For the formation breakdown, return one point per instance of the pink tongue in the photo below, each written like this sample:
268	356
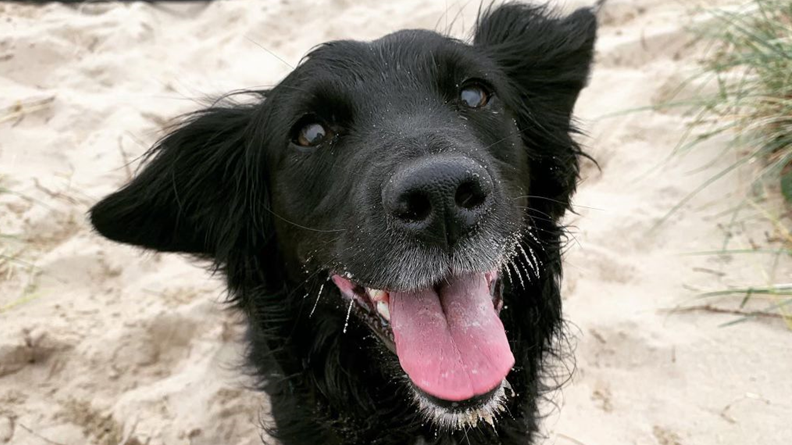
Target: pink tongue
451	343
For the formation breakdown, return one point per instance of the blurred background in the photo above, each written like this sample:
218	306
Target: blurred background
678	279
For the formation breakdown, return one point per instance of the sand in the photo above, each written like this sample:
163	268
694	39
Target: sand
105	344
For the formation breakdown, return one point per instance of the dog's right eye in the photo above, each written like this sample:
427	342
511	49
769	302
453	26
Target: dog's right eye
311	134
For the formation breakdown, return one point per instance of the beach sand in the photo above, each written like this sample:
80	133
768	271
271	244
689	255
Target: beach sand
105	344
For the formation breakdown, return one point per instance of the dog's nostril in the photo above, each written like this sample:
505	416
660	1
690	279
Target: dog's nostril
438	199
469	195
414	206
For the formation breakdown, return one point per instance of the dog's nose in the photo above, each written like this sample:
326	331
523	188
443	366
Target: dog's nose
439	199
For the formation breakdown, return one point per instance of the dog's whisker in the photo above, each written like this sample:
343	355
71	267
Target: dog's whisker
522	268
534	238
459	13
517	272
521	252
537	260
545	216
349	312
465	431
270	52
533	265
301	226
535	218
508	273
545	198
540	229
318	296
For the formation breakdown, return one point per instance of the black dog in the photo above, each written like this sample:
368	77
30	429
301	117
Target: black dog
387	219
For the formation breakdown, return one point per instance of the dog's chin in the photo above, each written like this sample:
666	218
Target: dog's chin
452	416
441	404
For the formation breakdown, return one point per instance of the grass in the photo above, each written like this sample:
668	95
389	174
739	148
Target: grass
19	110
12	263
744	92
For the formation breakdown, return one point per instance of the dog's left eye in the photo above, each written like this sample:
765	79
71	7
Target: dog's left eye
474	96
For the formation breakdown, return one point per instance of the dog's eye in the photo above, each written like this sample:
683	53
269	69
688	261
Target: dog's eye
312	134
474	96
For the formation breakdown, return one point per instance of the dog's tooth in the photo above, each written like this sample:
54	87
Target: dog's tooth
377	295
382	308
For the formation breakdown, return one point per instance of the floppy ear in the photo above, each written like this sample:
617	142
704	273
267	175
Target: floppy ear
547	60
194	190
547	56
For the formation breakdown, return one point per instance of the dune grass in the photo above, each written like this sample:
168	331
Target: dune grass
744	92
12	263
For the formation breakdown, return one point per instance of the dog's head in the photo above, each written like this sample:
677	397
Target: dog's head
397	181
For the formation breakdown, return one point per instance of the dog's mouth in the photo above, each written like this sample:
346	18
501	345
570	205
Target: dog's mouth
449	340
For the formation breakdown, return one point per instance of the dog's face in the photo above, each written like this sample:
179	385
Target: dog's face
404	150
408	174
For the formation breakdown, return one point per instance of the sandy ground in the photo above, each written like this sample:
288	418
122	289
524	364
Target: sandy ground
104	344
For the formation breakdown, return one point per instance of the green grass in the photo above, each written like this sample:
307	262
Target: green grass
751	62
744	92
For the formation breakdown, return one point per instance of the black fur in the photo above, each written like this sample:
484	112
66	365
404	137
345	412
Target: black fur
229	186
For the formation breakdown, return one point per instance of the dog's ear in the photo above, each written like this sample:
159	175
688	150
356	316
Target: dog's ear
194	189
546	59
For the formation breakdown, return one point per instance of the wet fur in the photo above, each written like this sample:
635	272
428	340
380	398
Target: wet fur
206	190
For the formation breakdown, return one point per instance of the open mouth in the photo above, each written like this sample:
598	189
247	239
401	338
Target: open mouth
448	338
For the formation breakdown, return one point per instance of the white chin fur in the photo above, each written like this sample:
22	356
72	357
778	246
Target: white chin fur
451	420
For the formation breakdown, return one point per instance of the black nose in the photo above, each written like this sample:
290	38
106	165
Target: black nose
439	199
